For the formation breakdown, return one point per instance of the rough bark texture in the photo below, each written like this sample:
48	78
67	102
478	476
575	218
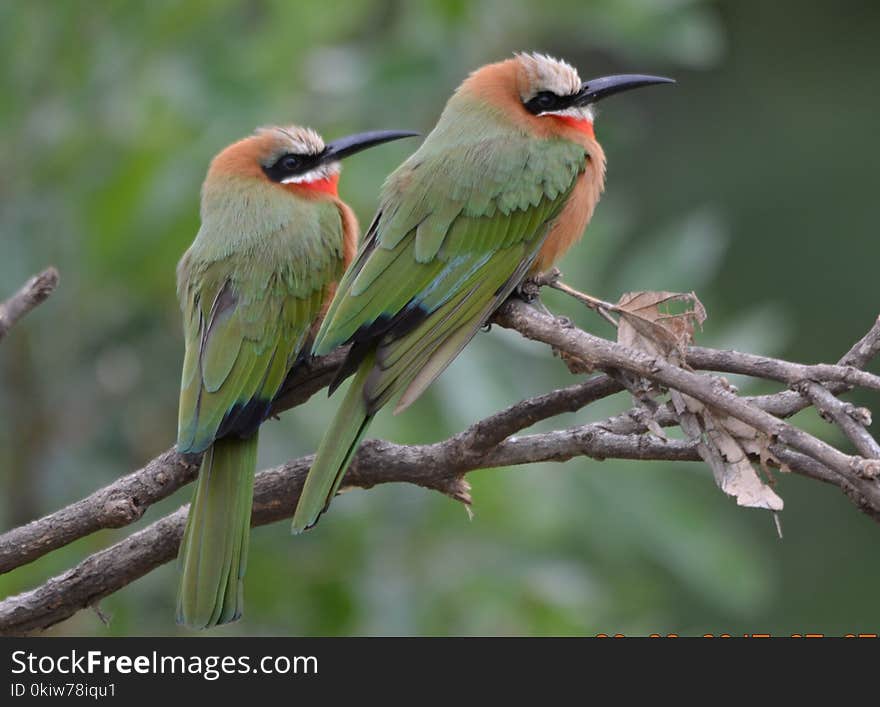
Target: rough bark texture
491	442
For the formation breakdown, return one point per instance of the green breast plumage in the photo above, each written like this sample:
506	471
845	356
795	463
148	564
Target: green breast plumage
250	287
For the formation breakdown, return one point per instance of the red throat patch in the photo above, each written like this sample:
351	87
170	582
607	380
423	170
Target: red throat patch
328	185
583	125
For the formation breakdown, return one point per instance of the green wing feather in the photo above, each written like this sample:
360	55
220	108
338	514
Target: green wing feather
247	313
459	225
250	294
456	232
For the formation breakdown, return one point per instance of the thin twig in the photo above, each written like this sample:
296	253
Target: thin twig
851	420
551	279
32	293
496	428
777	369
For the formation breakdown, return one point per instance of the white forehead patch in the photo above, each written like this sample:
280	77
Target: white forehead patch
295	139
548	74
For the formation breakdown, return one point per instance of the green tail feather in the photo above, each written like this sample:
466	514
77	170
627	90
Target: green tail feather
213	553
335	452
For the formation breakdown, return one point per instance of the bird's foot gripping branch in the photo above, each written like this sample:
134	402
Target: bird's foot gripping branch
674	383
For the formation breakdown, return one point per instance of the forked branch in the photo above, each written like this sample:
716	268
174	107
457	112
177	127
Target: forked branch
492	442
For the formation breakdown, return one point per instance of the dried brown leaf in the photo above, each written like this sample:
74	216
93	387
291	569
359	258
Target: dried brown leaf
725	444
648	323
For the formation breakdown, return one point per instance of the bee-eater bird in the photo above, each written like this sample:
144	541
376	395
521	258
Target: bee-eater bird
499	190
274	239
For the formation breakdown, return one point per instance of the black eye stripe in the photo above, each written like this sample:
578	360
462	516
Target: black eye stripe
546	101
290	165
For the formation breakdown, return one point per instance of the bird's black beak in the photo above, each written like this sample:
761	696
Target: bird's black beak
597	89
345	146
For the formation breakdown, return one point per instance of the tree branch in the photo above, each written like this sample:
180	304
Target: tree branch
114	506
125	500
32	293
438	466
491	442
851	420
788	403
778	370
601	353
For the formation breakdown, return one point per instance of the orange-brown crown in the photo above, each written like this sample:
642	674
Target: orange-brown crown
251	156
509	85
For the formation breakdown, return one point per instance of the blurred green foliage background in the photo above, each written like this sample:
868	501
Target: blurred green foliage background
752	182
